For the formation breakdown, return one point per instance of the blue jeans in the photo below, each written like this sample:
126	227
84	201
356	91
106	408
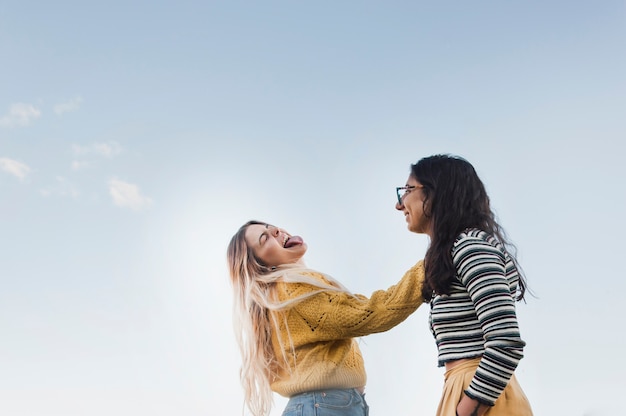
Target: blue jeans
331	402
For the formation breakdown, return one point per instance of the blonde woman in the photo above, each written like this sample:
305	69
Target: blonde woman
296	326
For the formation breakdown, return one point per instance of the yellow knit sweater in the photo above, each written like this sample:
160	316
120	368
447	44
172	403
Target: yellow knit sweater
322	328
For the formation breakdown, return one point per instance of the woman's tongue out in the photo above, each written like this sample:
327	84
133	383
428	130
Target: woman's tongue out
294	240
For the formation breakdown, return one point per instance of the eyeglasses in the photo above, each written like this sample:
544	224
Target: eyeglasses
403	190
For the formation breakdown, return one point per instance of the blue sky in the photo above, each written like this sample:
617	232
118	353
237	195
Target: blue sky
136	137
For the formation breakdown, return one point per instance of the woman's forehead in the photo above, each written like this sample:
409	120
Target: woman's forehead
255	229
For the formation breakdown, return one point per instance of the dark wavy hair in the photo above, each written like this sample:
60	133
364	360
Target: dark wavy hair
455	199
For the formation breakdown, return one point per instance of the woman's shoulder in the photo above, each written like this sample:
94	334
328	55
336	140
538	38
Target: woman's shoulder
296	274
475	236
473	233
304	276
303	282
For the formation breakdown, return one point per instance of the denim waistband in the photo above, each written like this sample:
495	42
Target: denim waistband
359	390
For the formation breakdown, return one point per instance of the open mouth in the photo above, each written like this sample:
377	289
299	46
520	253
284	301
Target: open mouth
291	241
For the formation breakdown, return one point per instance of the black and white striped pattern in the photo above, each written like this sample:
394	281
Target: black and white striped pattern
478	317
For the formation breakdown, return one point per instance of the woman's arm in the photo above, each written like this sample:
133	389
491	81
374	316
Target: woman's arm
482	270
330	315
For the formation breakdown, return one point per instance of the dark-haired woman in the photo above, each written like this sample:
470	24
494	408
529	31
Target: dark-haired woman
472	282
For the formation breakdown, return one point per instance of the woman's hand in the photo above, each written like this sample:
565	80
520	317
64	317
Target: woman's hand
470	407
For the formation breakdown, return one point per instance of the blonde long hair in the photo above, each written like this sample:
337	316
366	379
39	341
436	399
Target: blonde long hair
253	294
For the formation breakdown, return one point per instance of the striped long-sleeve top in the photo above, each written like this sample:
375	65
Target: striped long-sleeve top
478	317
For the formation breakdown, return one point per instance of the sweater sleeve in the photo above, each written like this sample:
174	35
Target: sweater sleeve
481	268
329	315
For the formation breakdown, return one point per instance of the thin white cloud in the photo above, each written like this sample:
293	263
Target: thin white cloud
19	115
80	164
15	168
68	106
127	195
81	150
62	187
108	149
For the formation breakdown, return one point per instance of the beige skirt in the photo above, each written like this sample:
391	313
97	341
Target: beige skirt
512	401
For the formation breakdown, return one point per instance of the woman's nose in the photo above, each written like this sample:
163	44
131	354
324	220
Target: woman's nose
275	231
399	206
